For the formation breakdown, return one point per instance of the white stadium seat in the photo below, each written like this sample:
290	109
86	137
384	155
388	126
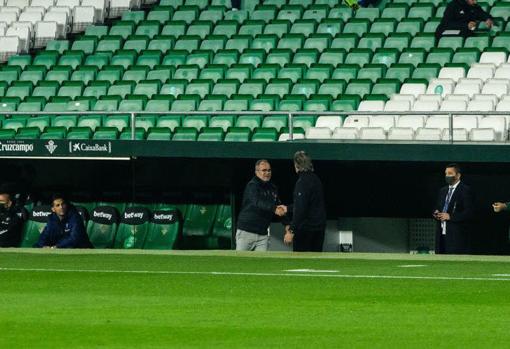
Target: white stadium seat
486	97
44	3
464	98
400	97
411	121
371	106
84	16
497	123
467	88
483	73
438	121
8	17
426	106
397	105
24	35
496	58
459	134
453	106
357	121
296	136
440	86
466	122
9	46
44	32
502	72
18	3
318	133
483	135
413	88
372	133
401	134
382	121
495	89
454	73
483	105
31	17
61	19
99	5
428	134
69	3
430	98
345	133
329	121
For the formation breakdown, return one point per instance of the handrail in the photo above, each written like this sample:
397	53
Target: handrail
290	115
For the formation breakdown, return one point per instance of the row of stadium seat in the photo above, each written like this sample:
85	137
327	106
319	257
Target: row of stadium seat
157	227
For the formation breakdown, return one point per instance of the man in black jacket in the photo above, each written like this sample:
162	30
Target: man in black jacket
10	223
260	204
461	17
306	231
453	212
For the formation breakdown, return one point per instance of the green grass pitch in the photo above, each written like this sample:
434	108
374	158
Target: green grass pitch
136	299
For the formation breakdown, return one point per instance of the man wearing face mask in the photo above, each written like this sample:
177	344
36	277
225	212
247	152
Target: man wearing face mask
10	223
453	212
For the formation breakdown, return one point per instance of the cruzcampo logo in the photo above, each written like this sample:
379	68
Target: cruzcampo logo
51	146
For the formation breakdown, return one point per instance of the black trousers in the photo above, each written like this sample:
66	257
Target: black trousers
308	241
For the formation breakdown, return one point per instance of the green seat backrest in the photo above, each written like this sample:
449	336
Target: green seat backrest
133	228
199	220
223	222
102	226
164	230
35	224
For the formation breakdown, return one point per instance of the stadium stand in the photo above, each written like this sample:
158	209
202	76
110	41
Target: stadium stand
194	56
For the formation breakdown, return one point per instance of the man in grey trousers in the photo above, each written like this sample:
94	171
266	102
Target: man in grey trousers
260	204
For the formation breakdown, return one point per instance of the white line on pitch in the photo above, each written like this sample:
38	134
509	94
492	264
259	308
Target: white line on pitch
311	271
171	272
412	266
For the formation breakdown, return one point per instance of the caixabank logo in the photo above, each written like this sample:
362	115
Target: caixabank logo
16	146
96	147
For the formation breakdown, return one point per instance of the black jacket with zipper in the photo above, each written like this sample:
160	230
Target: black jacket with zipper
457	16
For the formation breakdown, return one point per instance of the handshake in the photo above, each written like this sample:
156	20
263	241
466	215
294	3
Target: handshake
281	210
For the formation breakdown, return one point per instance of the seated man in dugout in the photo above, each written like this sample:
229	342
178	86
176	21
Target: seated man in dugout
65	227
461	18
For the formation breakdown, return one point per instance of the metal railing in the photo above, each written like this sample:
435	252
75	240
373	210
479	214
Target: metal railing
290	116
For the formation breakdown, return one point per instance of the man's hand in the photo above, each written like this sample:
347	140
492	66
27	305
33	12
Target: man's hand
472	25
499	206
489	23
443	216
436	212
281	210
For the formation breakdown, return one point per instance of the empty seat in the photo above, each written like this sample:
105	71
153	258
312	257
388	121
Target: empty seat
345	133
483	135
497	123
428	134
411	121
372	133
454	73
441	86
331	122
357	121
318	133
401	133
496	58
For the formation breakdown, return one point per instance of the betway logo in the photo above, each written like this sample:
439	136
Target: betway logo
84	147
16	147
133	215
40	213
102	215
164	216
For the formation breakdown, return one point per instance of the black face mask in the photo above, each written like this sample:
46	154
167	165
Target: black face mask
449	180
3	209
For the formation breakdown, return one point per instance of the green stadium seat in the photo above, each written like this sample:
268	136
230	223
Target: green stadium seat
174	29
357	26
170	122
330	26
265	135
121	88
212	103
318	103
159	134
421	10
109	43
359	87
320	72
46	58
71	58
200	29
278	87
277	122
84	73
440	56
346	103
237	103
239	16
226	87
121	29
396	11
54	133
279	56
199	220
290	13
175	58
161	14
66	121
124	58
333	56
431	25
265	42
97	31
79	133
425	41
201	4
399	41
386	56
186	13
58	45
249	121
383	26
40	122
252	28
133	228
187	72
14	124
264	103
127	135
32	104
174	87
306	56
387	87
501	9
102	226
319	42
372	72
214	43
197	122
133	103
135	16
412	26
159	105
164	229
20	89
332	87
136	43
106	133
372	41
238	134
294	72
426	71
162	43
412	56
71	89
226	57
20	60
119	122
304	27
108	103
200	58
28	133
185	103
33	227
502	40
265	72
213	14
453	42
358	56
264	13
370	13
340	12
238	43
211	134
201	87
346	72
213	72
135	73
222	121
9	76
185	134
98	60
223	224
87	44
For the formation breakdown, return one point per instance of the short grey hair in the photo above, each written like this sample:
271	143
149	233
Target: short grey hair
259	162
303	161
